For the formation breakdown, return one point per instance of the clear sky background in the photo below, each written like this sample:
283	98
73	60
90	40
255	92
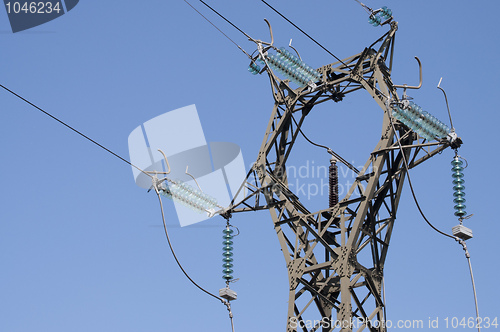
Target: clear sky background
81	246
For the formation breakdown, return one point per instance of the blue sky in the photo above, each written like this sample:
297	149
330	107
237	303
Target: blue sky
81	246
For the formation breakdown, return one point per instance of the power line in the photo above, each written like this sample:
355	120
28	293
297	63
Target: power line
232	41
173	252
225	19
336	155
314	40
226	303
72	128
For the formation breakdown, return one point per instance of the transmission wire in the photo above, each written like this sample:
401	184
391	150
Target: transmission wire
342	160
173	252
365	7
73	129
226	303
225	19
467	255
232	41
314	40
156	190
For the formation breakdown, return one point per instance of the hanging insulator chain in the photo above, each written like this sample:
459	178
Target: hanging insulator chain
227	254
333	198
458	188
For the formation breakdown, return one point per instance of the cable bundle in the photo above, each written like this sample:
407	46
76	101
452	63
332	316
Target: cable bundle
422	122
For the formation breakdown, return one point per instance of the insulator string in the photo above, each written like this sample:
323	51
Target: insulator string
420	121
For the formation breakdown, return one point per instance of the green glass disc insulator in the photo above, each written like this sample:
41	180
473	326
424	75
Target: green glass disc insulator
227	248
459	200
227	243
227	236
227	231
227	259
227	265
227	254
457	162
227	277
460	213
459	193
459	187
227	271
460	206
459	181
457	168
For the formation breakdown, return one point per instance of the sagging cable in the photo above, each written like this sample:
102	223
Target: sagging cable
156	185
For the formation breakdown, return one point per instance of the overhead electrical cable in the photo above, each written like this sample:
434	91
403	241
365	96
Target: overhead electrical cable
226	303
336	155
73	129
314	40
173	252
225	19
232	41
365	7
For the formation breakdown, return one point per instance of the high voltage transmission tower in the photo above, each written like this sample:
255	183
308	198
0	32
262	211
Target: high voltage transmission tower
335	257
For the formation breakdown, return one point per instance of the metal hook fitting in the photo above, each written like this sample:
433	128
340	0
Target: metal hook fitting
270	31
405	86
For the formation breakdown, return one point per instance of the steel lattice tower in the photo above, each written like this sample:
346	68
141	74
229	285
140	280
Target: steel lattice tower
335	257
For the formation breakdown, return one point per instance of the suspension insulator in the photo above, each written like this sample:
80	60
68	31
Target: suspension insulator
421	122
458	187
333	198
386	13
382	14
188	196
374	20
292	67
227	254
297	63
254	68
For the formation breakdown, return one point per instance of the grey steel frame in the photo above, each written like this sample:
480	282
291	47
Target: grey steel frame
335	257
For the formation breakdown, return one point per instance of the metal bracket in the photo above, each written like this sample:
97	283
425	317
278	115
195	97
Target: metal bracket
293	48
406	86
